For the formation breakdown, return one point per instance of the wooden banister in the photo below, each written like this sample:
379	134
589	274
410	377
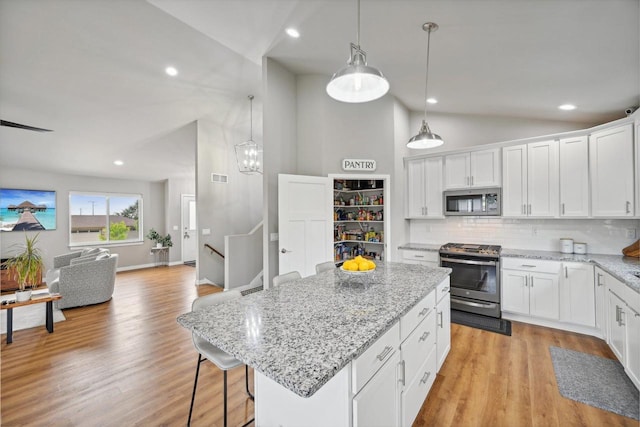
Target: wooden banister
212	249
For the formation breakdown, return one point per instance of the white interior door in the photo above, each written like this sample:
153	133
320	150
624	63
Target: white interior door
304	223
189	228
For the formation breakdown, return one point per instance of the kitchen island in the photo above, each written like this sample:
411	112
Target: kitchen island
304	339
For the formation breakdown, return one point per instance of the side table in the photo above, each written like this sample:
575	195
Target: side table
46	298
161	255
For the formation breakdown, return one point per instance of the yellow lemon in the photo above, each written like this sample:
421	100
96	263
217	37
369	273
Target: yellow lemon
350	265
363	265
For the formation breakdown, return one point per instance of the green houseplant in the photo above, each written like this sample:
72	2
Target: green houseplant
159	238
28	265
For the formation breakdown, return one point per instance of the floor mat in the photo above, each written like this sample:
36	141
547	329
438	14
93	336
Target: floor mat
595	381
491	324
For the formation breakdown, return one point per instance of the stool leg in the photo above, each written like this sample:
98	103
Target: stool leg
246	381
195	384
225	398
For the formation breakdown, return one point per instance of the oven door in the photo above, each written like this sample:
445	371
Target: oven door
473	277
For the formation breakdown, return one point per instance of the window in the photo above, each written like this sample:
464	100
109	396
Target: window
104	219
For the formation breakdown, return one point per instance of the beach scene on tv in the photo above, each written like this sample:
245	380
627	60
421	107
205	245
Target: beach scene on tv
27	210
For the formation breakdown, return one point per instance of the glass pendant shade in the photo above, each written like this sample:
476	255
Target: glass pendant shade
249	153
425	138
249	157
357	82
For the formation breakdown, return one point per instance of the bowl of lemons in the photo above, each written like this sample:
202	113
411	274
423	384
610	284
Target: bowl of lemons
358	265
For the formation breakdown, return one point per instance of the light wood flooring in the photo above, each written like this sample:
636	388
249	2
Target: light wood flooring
128	363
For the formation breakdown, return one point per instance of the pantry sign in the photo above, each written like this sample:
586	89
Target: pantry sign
358	165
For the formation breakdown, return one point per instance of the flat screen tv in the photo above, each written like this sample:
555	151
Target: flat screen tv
27	210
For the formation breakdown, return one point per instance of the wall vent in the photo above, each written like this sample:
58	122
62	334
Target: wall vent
219	178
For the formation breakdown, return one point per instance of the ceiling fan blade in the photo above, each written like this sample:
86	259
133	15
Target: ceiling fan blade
21	126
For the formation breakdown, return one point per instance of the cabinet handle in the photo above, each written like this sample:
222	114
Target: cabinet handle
563	209
617	314
532	282
402	379
445	290
527	265
529	210
524	209
425	378
526	281
424	336
418	256
424	311
622	316
599	281
426	210
628	207
466	179
472	181
441	324
566	272
384	353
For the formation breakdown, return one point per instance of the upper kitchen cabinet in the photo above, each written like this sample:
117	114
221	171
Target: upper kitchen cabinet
611	166
474	169
530	180
424	188
637	138
574	177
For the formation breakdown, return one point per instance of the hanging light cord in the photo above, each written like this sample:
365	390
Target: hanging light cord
426	82
251	117
358	35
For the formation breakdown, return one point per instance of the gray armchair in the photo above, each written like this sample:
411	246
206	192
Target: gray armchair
86	281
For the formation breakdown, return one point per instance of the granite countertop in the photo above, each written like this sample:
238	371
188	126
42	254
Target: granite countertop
302	333
618	266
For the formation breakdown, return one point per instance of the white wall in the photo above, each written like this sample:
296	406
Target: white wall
233	208
55	242
280	150
601	236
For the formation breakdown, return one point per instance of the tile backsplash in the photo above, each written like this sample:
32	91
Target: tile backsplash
602	236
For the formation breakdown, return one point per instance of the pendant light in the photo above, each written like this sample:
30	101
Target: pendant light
357	82
249	153
425	138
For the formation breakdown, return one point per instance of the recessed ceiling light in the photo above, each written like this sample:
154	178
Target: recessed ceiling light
171	71
567	107
432	101
292	32
118	162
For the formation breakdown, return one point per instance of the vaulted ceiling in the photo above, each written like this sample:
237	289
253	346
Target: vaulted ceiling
93	70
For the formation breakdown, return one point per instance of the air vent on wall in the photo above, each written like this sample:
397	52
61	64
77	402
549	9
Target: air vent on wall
219	178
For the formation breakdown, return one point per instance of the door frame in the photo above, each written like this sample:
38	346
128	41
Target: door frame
182	224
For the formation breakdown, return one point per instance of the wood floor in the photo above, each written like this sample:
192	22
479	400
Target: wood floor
128	363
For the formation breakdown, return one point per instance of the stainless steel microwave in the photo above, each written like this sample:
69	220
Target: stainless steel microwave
473	202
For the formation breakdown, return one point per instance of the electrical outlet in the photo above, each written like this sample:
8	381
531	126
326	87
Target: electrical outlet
631	233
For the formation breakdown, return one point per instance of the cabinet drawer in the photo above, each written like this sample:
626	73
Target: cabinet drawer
421	256
368	363
443	289
421	310
533	265
414	395
418	346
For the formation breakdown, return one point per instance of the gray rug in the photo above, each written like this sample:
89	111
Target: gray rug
595	381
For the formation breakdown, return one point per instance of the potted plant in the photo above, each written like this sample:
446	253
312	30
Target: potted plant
155	236
28	265
166	241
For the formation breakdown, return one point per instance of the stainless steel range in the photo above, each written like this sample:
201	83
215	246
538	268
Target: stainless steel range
475	279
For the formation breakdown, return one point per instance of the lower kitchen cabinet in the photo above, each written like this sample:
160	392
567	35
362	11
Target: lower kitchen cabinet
534	294
601	302
443	324
371	405
429	258
577	294
633	344
617	328
415	393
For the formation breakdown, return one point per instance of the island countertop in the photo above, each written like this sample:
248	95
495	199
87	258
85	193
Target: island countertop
303	332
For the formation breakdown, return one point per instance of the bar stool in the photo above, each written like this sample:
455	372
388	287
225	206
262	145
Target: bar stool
208	351
287	277
325	266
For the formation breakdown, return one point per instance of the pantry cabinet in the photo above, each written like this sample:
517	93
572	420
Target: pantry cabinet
577	294
359	217
574	177
472	169
611	170
531	180
424	188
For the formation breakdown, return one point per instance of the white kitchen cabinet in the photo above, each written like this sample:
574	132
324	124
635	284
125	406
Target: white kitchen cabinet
530	287
633	343
371	405
424	188
574	177
473	169
601	302
531	180
611	169
577	293
616	322
637	171
429	258
443	328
